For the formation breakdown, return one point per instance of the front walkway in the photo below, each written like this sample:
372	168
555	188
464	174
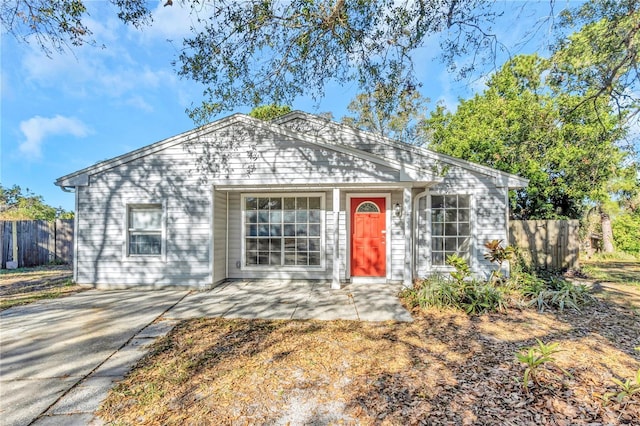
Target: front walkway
276	299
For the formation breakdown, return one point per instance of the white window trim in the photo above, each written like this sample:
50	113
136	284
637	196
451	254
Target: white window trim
288	268
389	225
472	233
138	203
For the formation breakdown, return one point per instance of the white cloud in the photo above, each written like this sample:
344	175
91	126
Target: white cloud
140	103
37	129
176	22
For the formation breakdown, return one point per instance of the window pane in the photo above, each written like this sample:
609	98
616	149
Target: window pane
289	230
438	229
263	258
301	245
463	215
145	244
301	258
289	216
450	229
275	230
250	203
263	216
314	203
275	244
275	216
314	244
289	244
368	207
289	203
314	230
301	230
437	201
275	258
290	258
463	229
314	216
252	258
263	204
314	258
451	215
263	244
263	230
301	216
437	258
251	244
451	201
301	203
251	216
437	244
463	201
145	218
463	244
437	215
451	244
252	230
275	204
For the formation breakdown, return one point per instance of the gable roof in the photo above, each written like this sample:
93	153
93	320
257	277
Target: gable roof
322	124
409	171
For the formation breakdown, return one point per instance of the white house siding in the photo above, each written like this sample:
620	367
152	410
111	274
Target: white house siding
203	232
488	218
219	236
102	209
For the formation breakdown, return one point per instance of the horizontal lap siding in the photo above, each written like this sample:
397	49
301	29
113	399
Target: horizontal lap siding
488	217
102	258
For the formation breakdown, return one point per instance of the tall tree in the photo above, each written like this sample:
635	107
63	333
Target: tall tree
601	57
521	124
394	112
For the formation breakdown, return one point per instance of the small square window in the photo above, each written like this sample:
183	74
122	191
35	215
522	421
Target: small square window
144	230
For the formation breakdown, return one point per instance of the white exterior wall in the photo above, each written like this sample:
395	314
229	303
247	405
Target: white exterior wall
202	220
488	219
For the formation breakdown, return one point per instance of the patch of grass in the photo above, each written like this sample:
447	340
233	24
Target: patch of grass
65	287
617	271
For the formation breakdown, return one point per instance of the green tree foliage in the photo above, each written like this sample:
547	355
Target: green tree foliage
521	124
16	204
390	111
626	231
269	112
602	58
56	25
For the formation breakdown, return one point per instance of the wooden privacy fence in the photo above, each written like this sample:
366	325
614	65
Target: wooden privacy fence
36	242
547	244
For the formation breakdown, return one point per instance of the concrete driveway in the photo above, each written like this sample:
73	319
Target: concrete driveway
59	358
72	347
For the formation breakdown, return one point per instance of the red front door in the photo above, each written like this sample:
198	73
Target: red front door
368	237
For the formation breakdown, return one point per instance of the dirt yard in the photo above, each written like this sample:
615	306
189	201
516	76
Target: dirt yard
25	285
444	368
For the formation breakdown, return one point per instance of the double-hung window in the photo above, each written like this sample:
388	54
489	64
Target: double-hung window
144	230
283	230
450	227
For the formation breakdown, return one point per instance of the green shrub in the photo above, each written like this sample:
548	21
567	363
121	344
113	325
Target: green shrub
545	291
473	297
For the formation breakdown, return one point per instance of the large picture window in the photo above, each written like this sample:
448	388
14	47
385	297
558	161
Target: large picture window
144	230
283	230
450	227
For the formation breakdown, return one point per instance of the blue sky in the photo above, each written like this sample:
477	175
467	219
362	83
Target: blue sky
64	113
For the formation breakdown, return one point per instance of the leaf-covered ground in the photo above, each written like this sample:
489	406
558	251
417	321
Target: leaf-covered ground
444	368
26	285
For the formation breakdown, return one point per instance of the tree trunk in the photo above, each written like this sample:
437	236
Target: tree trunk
607	232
